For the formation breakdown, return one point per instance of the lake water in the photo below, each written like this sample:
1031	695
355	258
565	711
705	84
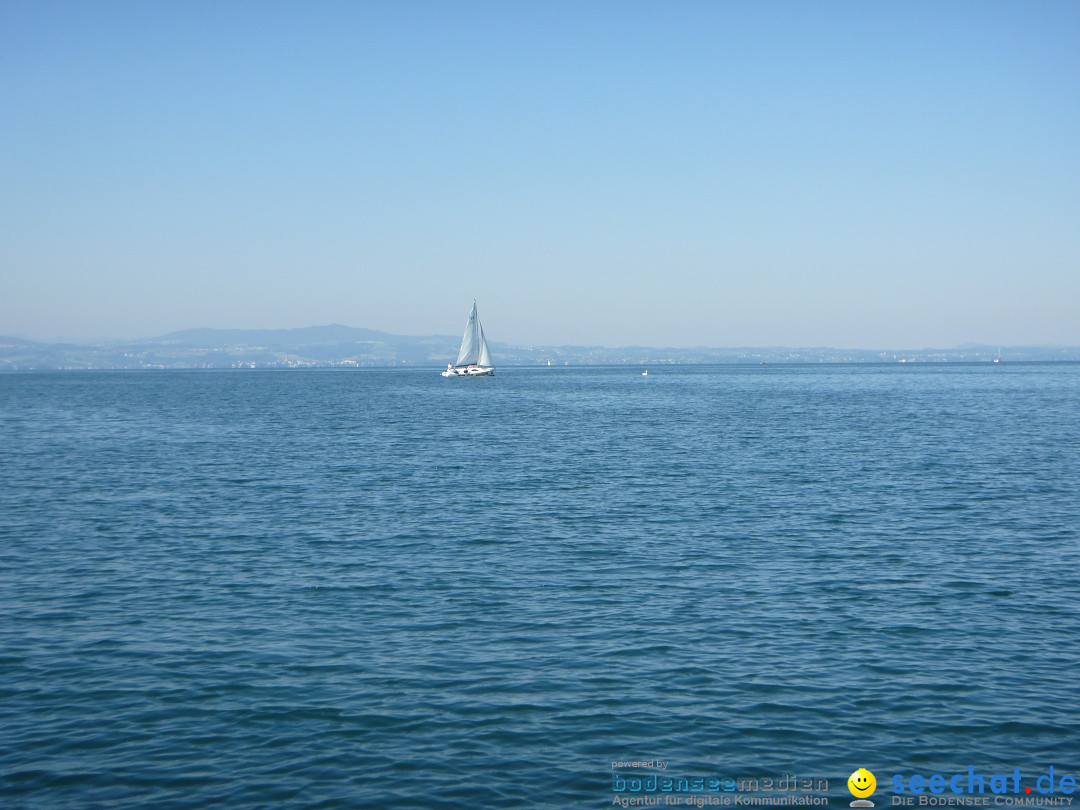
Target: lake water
253	589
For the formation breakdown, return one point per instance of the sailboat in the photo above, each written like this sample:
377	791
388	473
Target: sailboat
473	359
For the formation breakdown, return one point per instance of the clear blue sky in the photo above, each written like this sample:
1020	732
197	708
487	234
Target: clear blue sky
864	174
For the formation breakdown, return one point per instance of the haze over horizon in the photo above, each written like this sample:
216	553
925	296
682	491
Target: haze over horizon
340	332
689	174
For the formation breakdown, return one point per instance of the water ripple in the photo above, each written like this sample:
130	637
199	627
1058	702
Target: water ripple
369	589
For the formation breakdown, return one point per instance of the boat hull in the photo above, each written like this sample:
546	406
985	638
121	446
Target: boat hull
474	371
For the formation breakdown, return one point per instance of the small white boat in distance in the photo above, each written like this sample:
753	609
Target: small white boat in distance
473	359
645	373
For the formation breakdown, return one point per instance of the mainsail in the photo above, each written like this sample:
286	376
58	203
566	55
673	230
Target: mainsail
471	341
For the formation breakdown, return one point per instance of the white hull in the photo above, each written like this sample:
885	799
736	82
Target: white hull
469	372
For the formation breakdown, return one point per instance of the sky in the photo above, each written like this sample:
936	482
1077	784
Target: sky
723	173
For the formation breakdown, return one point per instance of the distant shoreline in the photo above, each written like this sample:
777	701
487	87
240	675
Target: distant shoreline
512	367
347	347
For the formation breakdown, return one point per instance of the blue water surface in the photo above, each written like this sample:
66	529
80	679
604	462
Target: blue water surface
362	588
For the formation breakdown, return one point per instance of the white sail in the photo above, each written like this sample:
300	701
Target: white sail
470	344
483	359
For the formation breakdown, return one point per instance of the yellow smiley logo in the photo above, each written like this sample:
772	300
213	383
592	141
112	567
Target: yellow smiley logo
861	783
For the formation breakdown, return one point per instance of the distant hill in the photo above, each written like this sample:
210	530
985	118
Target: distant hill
306	336
315	346
346	346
